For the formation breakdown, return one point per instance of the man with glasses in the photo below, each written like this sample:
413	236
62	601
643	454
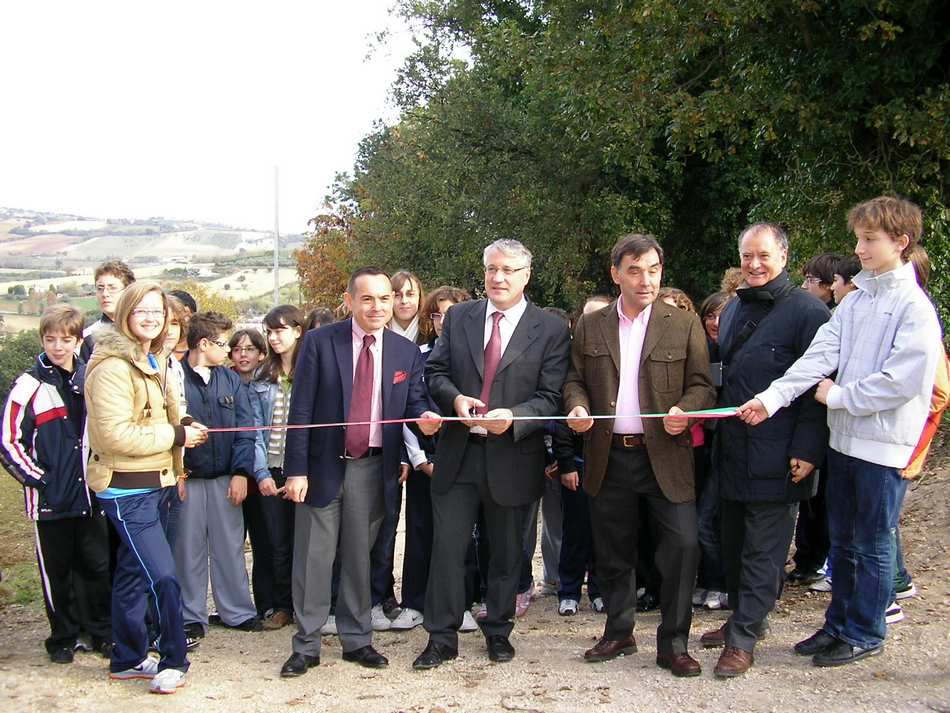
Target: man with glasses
497	358
211	520
110	278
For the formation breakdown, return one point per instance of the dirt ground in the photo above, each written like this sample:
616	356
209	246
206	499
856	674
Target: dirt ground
234	671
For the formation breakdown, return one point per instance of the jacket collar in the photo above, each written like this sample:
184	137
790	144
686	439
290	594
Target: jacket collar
770	292
660	314
46	372
890	280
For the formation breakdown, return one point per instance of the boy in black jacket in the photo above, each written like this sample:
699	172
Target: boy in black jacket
211	521
43	446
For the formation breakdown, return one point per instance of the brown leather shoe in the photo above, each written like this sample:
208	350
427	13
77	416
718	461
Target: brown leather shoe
682	665
714	639
605	649
733	662
278	620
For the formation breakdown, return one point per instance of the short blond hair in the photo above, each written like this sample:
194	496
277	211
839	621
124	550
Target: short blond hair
895	216
62	318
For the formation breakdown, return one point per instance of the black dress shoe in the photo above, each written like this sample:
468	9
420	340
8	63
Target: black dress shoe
366	656
434	655
298	664
252	624
815	644
840	653
61	655
500	649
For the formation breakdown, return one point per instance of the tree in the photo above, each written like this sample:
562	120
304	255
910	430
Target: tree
207	301
326	259
17	354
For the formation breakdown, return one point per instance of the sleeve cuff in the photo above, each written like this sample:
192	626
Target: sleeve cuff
179	436
417	458
771	400
835	397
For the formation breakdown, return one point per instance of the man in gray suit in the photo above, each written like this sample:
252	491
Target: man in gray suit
496	358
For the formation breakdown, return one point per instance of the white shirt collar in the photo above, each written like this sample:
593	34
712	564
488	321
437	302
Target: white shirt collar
512	314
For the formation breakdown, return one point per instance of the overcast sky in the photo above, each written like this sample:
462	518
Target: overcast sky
182	109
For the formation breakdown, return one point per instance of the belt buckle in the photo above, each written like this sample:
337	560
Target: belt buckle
629	440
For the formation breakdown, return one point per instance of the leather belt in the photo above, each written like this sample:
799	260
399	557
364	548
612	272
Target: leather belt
628	441
374	451
477	438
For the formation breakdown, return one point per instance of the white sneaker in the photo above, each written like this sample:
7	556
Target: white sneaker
147	669
715	600
545	589
598	605
329	629
699	597
381	622
894	613
567	607
911	591
407	619
822	585
167	681
468	623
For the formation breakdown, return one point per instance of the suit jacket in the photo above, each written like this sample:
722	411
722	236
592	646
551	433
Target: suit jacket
323	384
528	381
674	371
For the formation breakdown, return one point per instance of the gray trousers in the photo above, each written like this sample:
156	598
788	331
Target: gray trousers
551	529
353	519
210	526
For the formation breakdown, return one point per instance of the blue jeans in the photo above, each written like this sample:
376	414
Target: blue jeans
863	506
901	578
145	568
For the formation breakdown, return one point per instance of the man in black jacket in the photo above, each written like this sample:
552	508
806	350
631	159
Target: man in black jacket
211	520
765	471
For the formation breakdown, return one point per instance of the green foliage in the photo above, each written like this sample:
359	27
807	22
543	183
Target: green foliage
17	354
572	122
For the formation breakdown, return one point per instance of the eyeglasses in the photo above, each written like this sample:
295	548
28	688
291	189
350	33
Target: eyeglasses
436	316
143	313
492	270
244	350
812	280
110	289
219	343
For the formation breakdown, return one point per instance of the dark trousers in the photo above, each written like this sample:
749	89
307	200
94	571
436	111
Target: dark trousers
707	513
279	518
454	514
73	557
383	555
262	568
577	546
145	565
811	533
615	515
415	564
755	542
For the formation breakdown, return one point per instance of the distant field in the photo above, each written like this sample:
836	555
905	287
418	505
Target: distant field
13	323
255	284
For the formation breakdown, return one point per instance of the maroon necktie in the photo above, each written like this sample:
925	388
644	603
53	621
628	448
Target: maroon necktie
361	401
492	357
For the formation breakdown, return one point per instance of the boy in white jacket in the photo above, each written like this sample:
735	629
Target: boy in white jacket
883	341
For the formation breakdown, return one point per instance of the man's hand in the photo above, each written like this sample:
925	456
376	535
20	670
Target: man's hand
426	468
267	487
182	489
237	490
464	406
497	421
404	469
550	471
799	469
578	420
431	422
821	393
753	412
673	423
296	489
571	480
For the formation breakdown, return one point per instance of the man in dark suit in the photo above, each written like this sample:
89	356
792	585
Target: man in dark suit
496	358
354	371
640	356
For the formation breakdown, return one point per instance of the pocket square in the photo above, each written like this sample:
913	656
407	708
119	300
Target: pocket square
399	377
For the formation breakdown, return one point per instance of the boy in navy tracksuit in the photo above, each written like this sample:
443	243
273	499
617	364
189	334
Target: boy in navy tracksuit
43	446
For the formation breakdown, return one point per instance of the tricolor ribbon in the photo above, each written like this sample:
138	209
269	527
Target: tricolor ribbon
709	413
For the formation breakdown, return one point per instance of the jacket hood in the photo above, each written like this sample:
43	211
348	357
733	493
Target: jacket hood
111	343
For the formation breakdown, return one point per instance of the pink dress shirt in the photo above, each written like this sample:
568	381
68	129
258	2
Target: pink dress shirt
632	333
375	430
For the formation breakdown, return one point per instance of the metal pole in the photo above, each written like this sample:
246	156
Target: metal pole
276	236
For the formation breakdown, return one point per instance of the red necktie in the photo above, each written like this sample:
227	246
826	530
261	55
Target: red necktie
492	357
361	401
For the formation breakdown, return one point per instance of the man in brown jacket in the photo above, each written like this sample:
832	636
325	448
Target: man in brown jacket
633	357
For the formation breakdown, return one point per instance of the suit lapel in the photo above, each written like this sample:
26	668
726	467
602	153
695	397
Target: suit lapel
521	338
659	322
610	329
343	349
475	333
388	371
